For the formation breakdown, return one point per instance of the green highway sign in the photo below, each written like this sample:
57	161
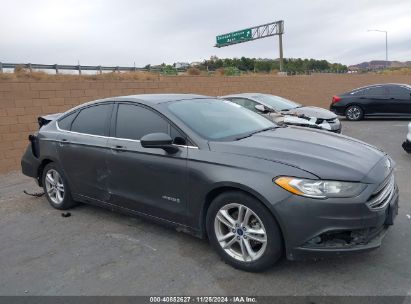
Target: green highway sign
275	28
234	37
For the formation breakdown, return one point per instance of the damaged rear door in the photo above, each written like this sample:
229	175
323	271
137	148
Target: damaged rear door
83	150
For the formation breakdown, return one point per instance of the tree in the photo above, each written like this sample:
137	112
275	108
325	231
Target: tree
291	65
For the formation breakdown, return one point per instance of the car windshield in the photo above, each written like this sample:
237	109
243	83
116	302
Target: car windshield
276	102
216	119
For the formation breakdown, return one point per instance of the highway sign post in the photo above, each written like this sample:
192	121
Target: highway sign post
257	32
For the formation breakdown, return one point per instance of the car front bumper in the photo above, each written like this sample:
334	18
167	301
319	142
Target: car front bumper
323	228
334	126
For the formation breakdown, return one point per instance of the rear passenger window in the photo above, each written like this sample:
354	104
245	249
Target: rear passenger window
133	122
65	123
376	92
93	120
360	92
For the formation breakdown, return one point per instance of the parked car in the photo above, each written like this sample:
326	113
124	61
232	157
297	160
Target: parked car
407	143
284	111
213	168
391	100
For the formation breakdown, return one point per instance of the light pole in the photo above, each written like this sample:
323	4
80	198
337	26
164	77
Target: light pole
386	44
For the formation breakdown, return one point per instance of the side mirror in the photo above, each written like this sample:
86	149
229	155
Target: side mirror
261	108
158	140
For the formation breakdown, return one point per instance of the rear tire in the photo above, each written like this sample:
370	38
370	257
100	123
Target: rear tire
56	188
354	113
243	232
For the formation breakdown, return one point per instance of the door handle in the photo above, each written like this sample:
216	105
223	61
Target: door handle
63	141
118	148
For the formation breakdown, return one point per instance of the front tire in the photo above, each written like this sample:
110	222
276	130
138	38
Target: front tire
243	232
354	113
56	188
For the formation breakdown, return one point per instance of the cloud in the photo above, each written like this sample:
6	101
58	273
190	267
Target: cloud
122	32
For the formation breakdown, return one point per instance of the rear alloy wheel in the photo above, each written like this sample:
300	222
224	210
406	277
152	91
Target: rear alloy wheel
243	232
354	113
56	188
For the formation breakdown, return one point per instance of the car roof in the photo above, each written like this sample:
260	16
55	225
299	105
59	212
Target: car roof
246	95
382	84
158	98
147	99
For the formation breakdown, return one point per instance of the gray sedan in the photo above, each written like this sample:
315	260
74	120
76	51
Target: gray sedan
284	111
215	169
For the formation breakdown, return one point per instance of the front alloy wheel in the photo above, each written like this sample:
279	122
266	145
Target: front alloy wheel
240	232
243	231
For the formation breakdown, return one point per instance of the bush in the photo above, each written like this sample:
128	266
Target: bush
231	71
169	70
20	69
193	71
396	71
220	71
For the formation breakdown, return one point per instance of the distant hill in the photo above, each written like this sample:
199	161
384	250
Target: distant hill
379	64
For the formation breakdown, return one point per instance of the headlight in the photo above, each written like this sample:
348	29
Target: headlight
319	188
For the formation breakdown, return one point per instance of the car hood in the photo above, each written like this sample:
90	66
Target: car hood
324	154
312	112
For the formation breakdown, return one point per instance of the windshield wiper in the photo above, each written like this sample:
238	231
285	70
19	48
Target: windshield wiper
255	132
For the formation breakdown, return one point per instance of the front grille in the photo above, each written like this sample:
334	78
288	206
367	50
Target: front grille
345	238
382	196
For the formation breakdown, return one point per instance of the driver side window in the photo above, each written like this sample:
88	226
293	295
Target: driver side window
133	122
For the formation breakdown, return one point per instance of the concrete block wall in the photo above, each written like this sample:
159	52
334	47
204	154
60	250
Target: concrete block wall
21	102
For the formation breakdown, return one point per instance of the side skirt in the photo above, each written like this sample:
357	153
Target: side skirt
112	207
388	115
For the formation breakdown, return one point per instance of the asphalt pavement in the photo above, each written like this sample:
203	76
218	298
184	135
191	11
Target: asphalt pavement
98	252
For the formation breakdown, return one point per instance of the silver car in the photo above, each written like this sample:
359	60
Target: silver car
284	111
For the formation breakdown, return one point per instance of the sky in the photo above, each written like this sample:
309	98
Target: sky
121	32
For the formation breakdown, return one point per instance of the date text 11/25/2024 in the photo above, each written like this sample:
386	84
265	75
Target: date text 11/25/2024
205	299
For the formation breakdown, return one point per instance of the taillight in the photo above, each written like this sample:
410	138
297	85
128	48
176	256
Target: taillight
336	99
34	144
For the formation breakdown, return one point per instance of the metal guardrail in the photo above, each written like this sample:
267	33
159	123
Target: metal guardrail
79	68
100	69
